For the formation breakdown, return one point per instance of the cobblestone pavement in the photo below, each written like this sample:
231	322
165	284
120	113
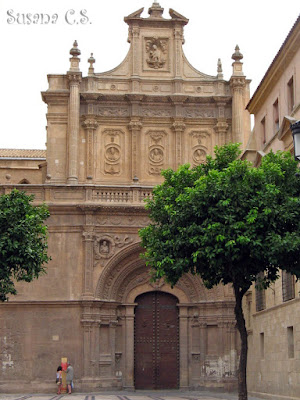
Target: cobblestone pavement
137	395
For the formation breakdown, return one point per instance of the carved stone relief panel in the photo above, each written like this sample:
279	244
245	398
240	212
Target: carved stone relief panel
156	53
156	143
110	153
112	111
207	112
200	146
157	112
116	220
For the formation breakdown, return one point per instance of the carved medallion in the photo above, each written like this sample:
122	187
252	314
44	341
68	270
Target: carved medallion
199	156
156	151
112	152
156	155
200	146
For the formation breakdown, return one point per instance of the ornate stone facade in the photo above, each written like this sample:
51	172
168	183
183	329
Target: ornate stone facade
109	135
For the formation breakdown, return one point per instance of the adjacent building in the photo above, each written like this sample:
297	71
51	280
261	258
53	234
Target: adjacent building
273	316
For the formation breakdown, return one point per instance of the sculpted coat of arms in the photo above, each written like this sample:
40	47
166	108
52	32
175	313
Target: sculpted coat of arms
156	50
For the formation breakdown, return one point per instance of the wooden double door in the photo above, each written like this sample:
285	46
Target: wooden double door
156	342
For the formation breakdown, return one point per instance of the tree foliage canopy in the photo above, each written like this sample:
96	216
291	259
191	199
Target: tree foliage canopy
229	223
226	220
23	241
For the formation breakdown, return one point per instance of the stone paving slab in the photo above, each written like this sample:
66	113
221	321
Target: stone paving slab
102	396
125	396
78	396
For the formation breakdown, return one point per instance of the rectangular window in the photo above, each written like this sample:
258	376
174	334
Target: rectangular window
263	130
276	116
262	345
260	295
290	338
290	95
288	286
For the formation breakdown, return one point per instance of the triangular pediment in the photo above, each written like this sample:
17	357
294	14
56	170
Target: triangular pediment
135	14
175	15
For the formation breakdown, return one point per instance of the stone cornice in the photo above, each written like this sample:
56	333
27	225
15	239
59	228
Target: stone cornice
56	96
58	303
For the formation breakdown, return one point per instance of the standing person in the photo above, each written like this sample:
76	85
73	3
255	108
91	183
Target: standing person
70	376
59	379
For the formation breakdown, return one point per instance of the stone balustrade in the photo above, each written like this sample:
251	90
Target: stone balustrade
96	194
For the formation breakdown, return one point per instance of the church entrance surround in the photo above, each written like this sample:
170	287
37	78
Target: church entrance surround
139	334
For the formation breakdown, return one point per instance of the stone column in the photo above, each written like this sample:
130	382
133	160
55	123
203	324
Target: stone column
95	350
233	349
203	345
90	125
238	84
184	347
178	41
112	337
221	126
135	41
86	348
74	109
179	128
135	127
221	338
88	240
129	347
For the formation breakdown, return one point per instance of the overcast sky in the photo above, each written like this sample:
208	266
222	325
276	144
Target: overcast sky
31	51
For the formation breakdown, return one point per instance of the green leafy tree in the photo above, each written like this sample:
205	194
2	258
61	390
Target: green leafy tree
226	221
23	241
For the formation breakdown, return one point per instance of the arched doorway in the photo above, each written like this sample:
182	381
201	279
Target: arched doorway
156	341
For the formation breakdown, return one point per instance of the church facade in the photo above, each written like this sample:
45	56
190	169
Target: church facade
108	137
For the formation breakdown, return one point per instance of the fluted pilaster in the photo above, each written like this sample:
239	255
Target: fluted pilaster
74	108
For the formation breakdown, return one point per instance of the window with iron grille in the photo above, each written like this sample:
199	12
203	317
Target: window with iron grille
290	95
291	345
276	116
263	130
288	286
260	294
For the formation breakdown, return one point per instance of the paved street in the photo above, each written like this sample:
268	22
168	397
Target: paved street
137	395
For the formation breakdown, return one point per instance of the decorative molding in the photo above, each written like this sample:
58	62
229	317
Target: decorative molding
135	125
74	79
238	84
90	124
178	126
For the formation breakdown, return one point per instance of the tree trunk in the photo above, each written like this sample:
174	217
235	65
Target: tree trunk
242	376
